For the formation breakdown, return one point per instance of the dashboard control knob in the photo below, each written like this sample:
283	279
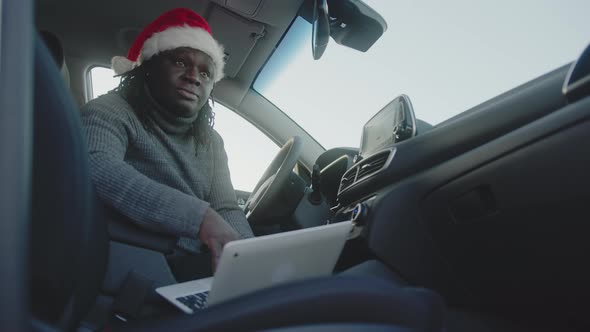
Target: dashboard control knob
359	212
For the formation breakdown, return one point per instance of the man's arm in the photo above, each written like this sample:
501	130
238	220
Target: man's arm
150	204
222	196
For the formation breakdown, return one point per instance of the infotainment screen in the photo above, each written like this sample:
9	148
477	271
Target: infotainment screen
378	132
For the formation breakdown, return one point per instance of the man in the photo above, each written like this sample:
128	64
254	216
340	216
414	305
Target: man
155	157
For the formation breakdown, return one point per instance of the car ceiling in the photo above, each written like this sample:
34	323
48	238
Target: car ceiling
93	32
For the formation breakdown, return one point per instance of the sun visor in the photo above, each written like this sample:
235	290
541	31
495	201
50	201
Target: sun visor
237	35
246	7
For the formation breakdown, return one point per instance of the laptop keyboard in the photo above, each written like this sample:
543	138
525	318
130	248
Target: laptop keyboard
194	301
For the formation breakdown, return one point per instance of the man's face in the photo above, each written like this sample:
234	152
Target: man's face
181	80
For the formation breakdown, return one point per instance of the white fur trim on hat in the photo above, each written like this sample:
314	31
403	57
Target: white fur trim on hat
185	36
121	64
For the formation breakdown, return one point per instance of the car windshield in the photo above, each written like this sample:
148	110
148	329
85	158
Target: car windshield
447	56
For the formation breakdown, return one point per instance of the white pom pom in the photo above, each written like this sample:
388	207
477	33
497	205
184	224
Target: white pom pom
121	64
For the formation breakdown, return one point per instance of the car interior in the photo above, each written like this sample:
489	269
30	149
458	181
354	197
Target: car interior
474	224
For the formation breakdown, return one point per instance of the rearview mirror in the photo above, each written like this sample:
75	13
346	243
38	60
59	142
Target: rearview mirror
394	123
351	23
355	24
320	28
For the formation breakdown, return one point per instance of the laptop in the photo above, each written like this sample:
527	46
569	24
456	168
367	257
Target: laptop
252	264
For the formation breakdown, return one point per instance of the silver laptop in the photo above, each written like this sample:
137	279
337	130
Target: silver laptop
252	264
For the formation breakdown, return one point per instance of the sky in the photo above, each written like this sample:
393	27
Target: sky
447	56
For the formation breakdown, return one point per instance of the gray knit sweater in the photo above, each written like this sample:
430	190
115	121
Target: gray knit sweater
156	174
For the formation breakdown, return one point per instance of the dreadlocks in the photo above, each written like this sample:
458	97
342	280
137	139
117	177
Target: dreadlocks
131	88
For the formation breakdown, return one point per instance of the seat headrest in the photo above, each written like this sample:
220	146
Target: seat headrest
57	51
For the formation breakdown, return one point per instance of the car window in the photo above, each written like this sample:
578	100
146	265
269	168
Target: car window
447	56
100	81
249	150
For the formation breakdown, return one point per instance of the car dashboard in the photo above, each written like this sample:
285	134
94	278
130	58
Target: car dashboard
487	208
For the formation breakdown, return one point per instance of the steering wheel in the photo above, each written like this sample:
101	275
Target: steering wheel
265	194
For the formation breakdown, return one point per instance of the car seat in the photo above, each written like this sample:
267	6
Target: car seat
69	250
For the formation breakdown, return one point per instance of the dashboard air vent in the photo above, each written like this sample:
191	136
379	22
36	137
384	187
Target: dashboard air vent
365	169
372	164
348	178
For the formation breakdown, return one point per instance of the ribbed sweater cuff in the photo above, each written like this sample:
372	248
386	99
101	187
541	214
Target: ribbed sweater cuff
194	216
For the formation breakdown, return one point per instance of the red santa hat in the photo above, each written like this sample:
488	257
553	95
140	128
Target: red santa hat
180	27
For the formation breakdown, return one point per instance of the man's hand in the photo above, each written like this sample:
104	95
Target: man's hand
215	233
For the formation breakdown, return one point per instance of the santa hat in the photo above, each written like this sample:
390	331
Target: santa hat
179	27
